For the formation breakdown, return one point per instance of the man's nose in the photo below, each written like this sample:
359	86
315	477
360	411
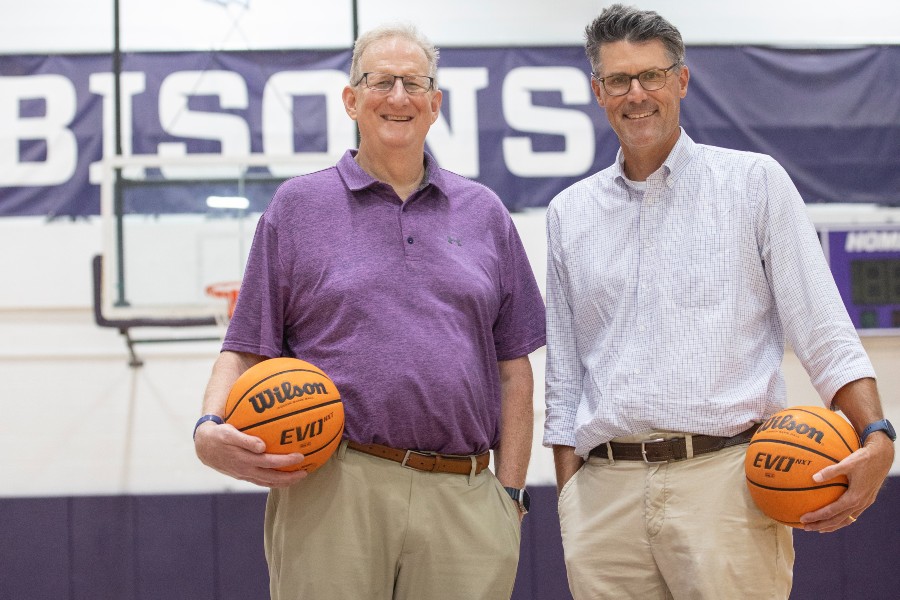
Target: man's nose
636	90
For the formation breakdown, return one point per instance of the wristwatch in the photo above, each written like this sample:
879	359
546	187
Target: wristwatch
520	497
882	425
214	418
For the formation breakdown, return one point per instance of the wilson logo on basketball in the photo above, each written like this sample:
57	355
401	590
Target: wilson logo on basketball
788	423
266	399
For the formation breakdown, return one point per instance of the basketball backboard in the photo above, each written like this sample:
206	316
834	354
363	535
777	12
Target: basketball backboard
172	227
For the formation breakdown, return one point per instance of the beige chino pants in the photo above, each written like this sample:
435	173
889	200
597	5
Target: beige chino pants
366	528
683	530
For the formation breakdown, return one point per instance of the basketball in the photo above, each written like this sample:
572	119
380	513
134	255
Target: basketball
784	454
292	406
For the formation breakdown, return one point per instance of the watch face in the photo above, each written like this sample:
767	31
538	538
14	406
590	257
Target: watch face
520	497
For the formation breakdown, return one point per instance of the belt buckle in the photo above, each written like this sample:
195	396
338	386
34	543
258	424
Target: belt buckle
411	452
644	451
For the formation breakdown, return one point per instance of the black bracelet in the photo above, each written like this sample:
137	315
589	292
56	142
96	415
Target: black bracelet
214	418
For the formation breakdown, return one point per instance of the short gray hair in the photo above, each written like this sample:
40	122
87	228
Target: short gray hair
618	23
386	32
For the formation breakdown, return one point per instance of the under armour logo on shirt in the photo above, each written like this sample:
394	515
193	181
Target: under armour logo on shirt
453	240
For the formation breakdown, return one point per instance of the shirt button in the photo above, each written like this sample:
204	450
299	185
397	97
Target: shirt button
636	372
642	328
409	240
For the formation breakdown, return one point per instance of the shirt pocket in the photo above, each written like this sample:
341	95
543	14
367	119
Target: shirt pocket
701	269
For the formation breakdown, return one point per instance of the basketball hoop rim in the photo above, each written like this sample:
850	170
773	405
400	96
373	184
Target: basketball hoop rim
227	290
223	289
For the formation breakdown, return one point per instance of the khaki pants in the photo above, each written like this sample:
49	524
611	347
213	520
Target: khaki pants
366	528
685	530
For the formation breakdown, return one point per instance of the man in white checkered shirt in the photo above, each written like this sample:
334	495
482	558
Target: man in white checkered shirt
674	277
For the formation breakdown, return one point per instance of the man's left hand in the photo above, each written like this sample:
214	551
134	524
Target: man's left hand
866	470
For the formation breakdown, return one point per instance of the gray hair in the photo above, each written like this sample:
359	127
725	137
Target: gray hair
618	23
386	32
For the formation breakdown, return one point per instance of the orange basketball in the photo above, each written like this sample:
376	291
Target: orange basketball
292	406
784	454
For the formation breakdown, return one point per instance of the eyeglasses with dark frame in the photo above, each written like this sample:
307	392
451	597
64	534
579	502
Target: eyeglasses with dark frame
650	80
384	82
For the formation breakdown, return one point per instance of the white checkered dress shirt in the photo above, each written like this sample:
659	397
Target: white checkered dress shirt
668	308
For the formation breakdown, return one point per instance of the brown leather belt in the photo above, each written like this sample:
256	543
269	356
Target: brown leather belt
426	461
659	451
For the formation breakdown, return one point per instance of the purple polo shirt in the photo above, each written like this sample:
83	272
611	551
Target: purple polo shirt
407	306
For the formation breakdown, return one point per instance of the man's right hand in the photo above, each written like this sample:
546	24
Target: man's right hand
567	464
242	456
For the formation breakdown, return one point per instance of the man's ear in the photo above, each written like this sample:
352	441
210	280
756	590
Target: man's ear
683	77
436	99
349	98
598	92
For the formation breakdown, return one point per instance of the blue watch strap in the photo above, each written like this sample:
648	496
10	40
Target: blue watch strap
214	418
882	425
520	497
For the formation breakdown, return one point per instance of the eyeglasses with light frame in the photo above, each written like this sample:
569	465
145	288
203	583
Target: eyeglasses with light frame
385	82
651	80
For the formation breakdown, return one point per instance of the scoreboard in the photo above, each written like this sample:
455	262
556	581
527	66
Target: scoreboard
864	255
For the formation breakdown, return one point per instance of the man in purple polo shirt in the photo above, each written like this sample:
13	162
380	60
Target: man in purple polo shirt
410	287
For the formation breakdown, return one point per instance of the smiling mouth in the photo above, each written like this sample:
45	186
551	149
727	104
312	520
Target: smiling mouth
641	115
396	118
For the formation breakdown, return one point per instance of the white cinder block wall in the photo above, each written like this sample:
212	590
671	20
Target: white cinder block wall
77	420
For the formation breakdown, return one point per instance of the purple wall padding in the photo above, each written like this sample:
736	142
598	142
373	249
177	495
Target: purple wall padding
860	561
102	547
209	547
241	563
34	548
542	571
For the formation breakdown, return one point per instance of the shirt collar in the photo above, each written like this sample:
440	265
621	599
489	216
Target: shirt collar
672	167
357	179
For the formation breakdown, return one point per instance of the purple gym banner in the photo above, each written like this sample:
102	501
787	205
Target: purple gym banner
520	120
